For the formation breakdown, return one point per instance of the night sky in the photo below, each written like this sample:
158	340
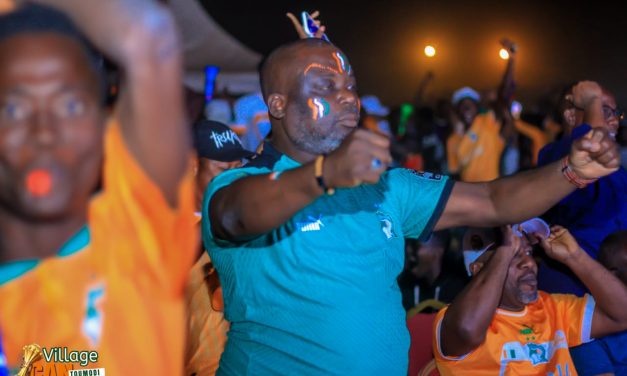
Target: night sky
559	41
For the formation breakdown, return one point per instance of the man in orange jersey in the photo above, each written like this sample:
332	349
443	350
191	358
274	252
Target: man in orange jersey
81	272
501	324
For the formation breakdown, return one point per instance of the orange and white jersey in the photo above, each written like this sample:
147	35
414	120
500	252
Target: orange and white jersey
117	287
534	341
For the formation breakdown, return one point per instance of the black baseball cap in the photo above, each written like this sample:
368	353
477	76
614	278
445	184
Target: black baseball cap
216	141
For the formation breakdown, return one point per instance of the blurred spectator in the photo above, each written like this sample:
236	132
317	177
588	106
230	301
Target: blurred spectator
433	270
537	137
194	102
219	109
432	149
122	255
590	213
423	263
251	120
475	146
404	144
607	355
376	115
441	118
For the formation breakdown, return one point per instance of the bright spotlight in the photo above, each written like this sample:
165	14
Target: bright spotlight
430	51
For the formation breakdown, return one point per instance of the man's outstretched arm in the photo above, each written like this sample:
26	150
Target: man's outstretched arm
141	37
257	204
530	193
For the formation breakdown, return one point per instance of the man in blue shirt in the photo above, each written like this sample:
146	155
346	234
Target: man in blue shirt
607	355
591	213
308	237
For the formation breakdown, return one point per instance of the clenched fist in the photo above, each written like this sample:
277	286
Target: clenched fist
361	158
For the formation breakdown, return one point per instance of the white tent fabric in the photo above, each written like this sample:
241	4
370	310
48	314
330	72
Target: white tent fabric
206	43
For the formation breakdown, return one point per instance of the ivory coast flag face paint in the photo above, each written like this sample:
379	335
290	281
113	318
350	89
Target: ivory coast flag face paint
342	62
319	107
39	182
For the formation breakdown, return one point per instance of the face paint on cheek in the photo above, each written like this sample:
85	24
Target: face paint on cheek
358	105
319	107
314	109
39	183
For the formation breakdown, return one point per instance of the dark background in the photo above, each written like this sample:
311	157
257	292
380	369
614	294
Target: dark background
559	41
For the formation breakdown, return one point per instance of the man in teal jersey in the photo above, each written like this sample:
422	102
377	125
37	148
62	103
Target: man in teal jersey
308	237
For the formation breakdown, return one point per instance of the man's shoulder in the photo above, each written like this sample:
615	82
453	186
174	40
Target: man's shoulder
406	173
262	161
569	303
227	177
556	297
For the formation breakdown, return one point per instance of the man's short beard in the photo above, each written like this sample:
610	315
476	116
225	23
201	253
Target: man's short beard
528	298
312	142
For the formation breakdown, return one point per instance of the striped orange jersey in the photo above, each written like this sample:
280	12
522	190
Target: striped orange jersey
532	342
117	287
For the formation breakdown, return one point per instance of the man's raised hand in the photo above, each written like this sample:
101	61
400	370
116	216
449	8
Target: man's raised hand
299	27
361	158
560	245
595	155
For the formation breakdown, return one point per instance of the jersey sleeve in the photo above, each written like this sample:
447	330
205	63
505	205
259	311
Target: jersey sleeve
134	229
211	242
420	199
576	314
440	358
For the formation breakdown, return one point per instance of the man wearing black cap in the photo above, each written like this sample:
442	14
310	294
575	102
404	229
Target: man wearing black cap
217	149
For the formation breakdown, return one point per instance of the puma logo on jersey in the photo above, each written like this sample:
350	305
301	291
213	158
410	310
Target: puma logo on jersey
312	224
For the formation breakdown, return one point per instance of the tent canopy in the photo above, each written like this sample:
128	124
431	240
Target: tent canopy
206	43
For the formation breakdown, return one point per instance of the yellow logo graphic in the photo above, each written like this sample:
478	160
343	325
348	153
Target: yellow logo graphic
60	361
31	354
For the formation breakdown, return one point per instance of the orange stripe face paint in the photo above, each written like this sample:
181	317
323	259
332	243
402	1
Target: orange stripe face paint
314	109
340	66
320	66
342	62
39	182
